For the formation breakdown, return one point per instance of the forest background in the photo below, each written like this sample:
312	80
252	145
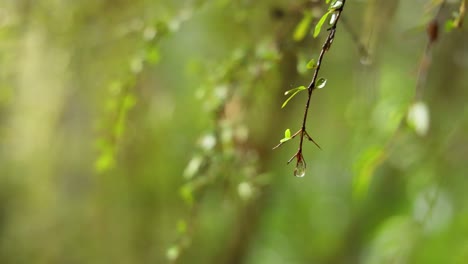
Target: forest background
142	132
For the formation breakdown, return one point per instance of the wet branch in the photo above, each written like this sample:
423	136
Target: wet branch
302	133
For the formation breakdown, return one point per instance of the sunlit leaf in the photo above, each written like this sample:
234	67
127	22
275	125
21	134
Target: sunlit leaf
336	4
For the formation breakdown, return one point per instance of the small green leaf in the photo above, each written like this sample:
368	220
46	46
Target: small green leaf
321	83
311	64
284	140
303	27
327	1
296	91
318	27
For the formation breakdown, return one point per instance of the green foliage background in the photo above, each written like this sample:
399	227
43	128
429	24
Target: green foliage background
141	132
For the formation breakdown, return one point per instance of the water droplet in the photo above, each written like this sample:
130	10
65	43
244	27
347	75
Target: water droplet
321	83
300	169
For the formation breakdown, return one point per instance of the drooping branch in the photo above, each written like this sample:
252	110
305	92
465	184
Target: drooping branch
335	11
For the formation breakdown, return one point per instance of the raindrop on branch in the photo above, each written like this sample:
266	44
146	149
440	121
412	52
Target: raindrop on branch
300	169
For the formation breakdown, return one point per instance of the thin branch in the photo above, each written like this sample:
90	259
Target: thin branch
312	86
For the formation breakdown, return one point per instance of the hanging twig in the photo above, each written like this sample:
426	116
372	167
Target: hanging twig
302	133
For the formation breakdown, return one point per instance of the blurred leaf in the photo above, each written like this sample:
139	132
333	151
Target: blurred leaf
173	253
336	4
311	64
393	241
449	25
321	83
364	168
186	193
300	169
418	118
193	167
300	88
303	27
333	18
319	25
129	101
245	190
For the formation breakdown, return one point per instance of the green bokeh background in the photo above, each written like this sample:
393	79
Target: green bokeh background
104	104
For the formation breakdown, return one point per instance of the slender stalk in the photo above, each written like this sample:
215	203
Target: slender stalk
312	85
